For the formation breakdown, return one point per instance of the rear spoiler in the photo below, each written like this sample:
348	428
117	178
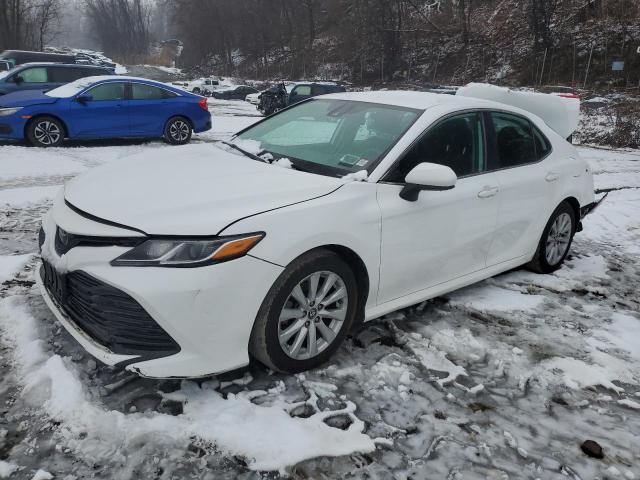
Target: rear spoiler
560	113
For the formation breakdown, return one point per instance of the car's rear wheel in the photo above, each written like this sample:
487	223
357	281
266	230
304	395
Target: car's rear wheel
178	131
45	132
306	314
555	241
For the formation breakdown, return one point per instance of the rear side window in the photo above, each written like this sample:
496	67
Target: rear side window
543	145
140	91
514	140
107	91
64	75
456	142
34	75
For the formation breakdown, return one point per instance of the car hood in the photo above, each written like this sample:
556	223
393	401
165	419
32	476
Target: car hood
25	98
190	190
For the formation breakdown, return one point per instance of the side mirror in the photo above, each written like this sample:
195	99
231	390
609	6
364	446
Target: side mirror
18	79
84	98
427	176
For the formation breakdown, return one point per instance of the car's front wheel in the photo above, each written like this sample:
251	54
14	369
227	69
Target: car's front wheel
306	314
555	241
45	132
178	131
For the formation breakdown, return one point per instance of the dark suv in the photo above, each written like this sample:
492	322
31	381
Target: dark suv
46	76
18	57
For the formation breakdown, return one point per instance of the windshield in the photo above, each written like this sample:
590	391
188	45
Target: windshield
332	137
71	89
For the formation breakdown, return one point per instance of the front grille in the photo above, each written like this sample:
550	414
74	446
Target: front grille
65	241
108	315
5	129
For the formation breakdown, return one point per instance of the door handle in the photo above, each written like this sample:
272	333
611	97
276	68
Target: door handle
552	176
487	192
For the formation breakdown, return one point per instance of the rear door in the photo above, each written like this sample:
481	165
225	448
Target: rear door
62	75
521	157
105	116
150	108
443	235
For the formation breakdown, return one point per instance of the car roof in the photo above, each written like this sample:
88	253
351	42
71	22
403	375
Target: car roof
416	100
65	65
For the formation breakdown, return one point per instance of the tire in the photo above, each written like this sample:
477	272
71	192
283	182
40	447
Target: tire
45	132
556	239
196	91
178	131
269	342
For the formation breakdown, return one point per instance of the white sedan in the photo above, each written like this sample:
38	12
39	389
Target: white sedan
332	212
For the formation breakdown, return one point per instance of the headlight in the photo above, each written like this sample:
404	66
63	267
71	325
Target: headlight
4	112
188	253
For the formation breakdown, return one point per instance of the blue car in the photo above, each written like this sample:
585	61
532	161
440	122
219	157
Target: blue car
103	107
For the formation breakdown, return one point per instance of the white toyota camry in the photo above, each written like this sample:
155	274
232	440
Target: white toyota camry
334	211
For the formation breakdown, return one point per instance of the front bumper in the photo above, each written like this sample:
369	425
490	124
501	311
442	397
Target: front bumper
208	311
12	127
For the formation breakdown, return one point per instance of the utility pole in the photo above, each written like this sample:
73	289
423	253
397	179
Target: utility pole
586	75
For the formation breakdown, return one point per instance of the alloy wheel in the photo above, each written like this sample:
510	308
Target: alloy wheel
313	314
558	238
179	130
47	133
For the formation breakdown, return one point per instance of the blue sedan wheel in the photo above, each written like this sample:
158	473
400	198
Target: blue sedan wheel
178	131
45	132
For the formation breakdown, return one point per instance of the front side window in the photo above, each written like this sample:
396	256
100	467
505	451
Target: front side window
456	142
332	137
34	75
140	91
107	91
514	140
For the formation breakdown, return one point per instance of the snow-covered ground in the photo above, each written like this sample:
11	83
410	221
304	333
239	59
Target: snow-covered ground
504	379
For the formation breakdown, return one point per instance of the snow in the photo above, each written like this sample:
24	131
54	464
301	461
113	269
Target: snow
10	265
267	436
42	475
492	298
26	195
622	333
7	468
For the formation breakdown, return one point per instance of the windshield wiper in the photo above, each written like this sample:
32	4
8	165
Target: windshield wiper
244	152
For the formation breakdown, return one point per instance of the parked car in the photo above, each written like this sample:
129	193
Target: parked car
203	86
233	93
18	57
5	65
253	98
560	90
103	107
182	267
280	96
46	76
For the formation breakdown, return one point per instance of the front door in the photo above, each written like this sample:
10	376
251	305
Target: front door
106	115
443	235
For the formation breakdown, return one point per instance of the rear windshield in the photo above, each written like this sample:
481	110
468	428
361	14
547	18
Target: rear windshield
71	89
